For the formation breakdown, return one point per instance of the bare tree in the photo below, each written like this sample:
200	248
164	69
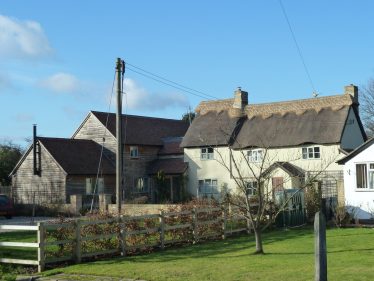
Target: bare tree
367	106
255	193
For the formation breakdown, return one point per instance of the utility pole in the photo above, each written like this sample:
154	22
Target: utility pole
119	70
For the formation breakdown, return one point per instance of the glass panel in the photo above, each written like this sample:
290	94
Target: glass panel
305	153
210	149
371	179
100	185
361	175
310	152
88	186
371	166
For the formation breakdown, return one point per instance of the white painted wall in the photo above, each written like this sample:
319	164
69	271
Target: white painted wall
358	198
212	169
352	136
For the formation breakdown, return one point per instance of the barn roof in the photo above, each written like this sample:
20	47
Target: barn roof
77	156
170	166
317	120
142	130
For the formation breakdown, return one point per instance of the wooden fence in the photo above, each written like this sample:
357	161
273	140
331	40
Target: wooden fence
83	239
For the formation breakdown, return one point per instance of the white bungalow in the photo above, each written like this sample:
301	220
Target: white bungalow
359	180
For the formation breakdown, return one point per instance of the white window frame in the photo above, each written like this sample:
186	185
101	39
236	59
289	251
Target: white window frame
206	153
207	187
141	185
368	176
134	152
311	152
255	155
251	188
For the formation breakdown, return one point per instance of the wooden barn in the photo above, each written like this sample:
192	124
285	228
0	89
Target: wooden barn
85	163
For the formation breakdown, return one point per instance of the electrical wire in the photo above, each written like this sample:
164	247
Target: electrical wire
170	81
102	143
297	47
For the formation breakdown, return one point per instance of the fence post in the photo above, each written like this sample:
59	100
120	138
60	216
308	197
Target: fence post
122	235
41	242
162	230
224	219
320	247
194	225
78	241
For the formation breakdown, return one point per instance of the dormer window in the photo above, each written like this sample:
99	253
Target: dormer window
134	152
312	152
207	153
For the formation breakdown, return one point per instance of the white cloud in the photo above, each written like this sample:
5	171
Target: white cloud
139	98
61	83
22	39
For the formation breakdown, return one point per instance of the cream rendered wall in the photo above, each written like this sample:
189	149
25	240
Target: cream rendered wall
362	200
207	169
212	169
352	136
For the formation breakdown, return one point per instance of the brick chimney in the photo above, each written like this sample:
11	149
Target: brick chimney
240	99
353	91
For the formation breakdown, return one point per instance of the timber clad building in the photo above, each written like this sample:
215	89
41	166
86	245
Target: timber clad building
85	163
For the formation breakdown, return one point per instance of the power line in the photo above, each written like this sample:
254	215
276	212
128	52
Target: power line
168	82
297	47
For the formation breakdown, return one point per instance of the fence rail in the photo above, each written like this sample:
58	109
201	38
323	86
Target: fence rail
165	229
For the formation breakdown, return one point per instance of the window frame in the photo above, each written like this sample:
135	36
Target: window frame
145	182
310	152
134	148
251	188
255	155
367	174
210	184
207	153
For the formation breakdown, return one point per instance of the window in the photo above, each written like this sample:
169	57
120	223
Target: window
312	152
100	185
134	152
208	187
255	155
251	188
141	185
207	153
365	176
89	187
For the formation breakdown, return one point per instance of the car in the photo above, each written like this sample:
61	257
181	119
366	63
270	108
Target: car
6	206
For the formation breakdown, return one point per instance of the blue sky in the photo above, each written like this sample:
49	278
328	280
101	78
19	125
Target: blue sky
57	58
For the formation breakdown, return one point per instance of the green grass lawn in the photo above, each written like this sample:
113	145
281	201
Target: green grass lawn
289	256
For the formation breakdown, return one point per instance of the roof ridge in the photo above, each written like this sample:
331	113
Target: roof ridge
138	116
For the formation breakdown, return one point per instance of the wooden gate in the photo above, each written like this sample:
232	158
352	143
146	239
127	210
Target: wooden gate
294	213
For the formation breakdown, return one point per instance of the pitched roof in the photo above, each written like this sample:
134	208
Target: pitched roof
359	149
212	128
171	146
171	166
322	127
291	169
143	130
316	120
77	156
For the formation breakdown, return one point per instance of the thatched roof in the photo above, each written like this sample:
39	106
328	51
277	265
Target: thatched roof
317	120
213	128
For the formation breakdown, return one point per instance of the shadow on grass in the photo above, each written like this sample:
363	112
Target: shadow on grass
233	247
